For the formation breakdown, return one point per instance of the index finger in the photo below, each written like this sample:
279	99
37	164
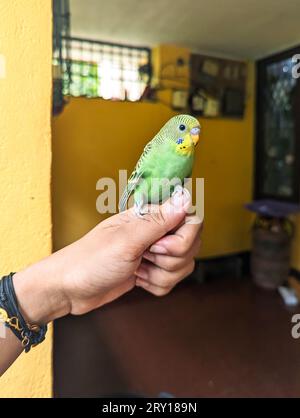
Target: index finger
181	240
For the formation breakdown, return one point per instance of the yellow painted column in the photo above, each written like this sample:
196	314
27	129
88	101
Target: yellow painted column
25	165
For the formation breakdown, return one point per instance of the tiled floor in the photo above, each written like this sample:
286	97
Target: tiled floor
222	338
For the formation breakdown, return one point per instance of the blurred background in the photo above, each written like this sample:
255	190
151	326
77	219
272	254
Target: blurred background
120	70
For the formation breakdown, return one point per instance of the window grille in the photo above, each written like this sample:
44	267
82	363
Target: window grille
61	27
107	70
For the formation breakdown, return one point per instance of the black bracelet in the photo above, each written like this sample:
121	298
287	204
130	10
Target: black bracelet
29	335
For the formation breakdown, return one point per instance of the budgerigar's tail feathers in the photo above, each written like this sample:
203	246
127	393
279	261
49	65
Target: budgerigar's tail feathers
132	183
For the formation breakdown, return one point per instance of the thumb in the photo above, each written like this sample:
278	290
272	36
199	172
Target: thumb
159	220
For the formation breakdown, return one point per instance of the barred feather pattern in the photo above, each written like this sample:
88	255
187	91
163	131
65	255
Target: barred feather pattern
169	132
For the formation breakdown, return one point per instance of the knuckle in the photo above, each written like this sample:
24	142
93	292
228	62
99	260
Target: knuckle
163	282
173	264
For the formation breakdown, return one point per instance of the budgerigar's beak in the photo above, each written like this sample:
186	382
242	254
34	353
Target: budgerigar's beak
195	132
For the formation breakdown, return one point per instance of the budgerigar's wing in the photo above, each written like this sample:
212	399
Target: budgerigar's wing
138	171
132	183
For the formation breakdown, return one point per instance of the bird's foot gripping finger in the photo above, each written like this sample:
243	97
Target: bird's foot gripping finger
180	190
139	209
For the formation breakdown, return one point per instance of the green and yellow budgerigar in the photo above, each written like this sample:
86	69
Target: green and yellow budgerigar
168	157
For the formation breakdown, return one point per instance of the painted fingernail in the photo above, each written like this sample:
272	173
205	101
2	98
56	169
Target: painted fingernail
142	273
158	249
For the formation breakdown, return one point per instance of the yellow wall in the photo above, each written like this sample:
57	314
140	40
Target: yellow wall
25	158
93	138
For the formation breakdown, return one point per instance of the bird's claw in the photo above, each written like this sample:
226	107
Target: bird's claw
179	189
139	210
179	192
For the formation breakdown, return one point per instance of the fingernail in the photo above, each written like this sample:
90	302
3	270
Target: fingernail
181	200
142	273
158	249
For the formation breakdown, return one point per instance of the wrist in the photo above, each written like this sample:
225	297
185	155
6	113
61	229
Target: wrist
39	292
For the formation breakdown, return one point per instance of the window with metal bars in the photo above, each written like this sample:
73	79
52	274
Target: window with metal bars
61	27
100	69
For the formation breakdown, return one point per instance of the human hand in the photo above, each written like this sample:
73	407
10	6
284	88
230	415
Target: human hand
119	253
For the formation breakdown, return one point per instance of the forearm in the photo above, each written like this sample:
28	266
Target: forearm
40	292
40	299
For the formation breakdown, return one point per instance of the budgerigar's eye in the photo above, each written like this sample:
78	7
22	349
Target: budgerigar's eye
181	127
179	141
